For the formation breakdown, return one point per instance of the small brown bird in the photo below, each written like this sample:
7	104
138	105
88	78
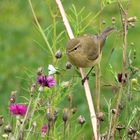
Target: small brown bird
85	51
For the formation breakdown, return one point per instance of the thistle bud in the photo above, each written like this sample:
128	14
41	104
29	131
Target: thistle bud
5	136
1	120
74	110
132	44
132	19
113	20
100	116
134	81
131	131
8	129
114	111
68	65
40	71
49	114
65	115
120	127
58	54
132	24
103	22
55	115
81	120
70	98
13	97
33	88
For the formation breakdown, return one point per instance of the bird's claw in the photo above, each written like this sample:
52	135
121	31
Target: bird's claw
84	79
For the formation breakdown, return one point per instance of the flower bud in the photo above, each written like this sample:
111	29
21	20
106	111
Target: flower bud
81	120
120	127
1	120
5	136
100	116
55	115
13	97
132	19
33	88
70	98
58	54
74	110
40	71
103	22
41	89
134	81
49	115
113	20
132	44
8	129
131	131
68	65
65	115
114	111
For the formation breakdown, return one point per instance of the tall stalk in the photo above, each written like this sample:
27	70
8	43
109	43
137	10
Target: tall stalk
86	85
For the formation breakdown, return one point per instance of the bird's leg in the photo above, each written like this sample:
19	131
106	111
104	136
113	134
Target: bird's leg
86	77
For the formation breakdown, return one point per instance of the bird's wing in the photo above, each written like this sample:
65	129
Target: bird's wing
92	49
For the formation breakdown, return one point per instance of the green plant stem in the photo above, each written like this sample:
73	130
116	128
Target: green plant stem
124	63
25	118
41	30
33	111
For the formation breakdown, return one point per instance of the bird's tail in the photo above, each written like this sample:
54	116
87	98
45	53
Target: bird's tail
108	31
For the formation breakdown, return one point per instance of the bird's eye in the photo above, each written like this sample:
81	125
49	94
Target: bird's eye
75	48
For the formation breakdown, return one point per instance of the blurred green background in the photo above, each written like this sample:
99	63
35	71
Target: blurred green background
20	53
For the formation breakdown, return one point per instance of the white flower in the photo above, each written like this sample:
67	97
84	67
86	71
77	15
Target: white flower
52	69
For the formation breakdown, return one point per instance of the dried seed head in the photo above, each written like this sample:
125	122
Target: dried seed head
65	115
58	54
81	120
1	120
40	71
120	127
8	129
68	65
100	116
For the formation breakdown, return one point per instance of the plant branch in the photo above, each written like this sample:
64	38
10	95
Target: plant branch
41	30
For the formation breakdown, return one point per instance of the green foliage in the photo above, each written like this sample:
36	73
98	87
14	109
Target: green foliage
26	44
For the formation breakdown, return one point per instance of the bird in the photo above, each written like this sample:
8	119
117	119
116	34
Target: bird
86	51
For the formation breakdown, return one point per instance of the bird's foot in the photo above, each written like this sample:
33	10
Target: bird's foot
84	79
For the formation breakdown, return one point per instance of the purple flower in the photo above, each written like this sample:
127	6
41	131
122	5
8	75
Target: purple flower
47	81
44	129
18	109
